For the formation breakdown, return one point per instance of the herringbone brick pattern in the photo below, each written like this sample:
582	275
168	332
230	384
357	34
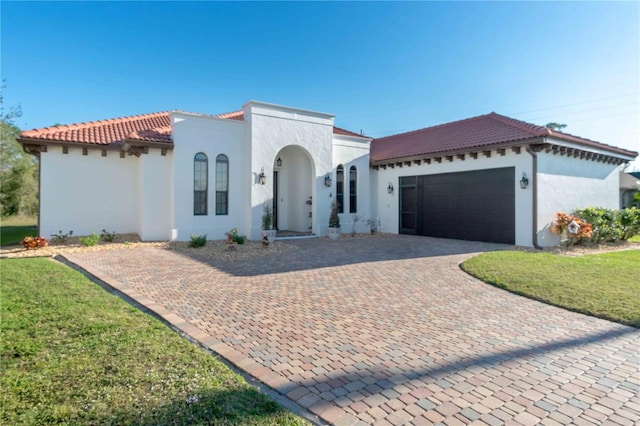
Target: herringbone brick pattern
389	331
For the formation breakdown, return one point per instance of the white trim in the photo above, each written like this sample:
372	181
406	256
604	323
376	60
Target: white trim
174	115
582	147
288	109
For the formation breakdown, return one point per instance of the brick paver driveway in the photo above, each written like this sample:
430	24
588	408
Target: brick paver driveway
389	331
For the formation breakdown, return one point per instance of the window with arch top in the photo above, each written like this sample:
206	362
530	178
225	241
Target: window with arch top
222	185
200	184
353	190
340	188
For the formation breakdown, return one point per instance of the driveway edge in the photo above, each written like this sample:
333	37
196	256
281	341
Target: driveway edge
194	335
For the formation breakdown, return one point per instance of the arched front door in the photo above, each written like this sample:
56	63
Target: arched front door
293	191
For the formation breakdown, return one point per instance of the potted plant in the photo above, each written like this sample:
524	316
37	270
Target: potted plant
268	233
334	222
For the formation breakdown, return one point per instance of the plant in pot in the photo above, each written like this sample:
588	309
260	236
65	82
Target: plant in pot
334	222
268	233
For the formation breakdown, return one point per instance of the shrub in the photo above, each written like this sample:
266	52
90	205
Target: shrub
90	240
60	237
629	219
574	229
334	219
603	222
611	225
267	217
108	236
198	240
234	237
33	243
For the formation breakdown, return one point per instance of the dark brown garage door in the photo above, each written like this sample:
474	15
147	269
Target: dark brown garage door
476	206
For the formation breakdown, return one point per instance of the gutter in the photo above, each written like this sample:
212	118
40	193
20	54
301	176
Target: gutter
534	190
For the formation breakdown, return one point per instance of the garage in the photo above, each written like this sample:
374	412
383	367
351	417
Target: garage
475	205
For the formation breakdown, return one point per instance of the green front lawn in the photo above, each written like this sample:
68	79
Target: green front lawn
14	229
71	353
603	285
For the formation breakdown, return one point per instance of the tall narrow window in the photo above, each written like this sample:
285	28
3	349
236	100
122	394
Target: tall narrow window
200	178
222	185
340	188
353	190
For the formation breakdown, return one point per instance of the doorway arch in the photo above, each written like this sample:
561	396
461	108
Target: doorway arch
293	191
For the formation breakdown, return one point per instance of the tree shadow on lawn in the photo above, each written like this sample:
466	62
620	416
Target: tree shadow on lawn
12	235
212	407
317	253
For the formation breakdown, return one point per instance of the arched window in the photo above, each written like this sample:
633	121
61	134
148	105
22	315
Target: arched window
340	188
222	185
353	190
200	185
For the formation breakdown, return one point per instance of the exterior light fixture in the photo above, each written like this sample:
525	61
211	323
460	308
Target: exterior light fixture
279	161
390	188
262	178
524	182
327	180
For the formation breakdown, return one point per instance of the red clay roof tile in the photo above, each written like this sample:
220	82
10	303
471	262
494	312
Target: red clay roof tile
154	127
469	134
103	132
158	134
340	131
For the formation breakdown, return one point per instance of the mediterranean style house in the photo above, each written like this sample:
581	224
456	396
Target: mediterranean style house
168	175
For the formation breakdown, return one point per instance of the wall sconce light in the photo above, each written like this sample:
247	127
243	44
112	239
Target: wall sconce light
327	180
390	188
279	162
524	182
262	179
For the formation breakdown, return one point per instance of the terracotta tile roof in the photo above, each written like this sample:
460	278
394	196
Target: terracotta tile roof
155	127
158	134
105	132
339	131
235	115
468	135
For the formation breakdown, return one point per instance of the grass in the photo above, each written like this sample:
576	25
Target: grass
14	228
602	285
71	353
635	239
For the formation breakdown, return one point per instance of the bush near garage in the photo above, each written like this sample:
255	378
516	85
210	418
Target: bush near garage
610	225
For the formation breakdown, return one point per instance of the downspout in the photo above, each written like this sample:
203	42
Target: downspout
534	194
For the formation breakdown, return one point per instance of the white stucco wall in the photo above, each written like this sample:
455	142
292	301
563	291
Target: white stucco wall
386	206
296	134
566	183
86	194
212	136
155	192
352	151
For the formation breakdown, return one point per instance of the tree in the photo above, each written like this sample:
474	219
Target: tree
555	126
18	170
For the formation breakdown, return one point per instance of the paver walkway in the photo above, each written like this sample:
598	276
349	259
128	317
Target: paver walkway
390	331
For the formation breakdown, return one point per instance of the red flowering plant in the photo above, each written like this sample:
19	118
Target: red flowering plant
571	229
34	243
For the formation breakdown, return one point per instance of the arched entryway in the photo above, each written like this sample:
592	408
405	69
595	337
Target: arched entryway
293	191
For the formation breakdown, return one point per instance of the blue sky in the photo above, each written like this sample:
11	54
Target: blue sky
380	67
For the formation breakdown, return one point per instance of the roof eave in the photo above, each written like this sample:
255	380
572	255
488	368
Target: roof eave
431	155
120	145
